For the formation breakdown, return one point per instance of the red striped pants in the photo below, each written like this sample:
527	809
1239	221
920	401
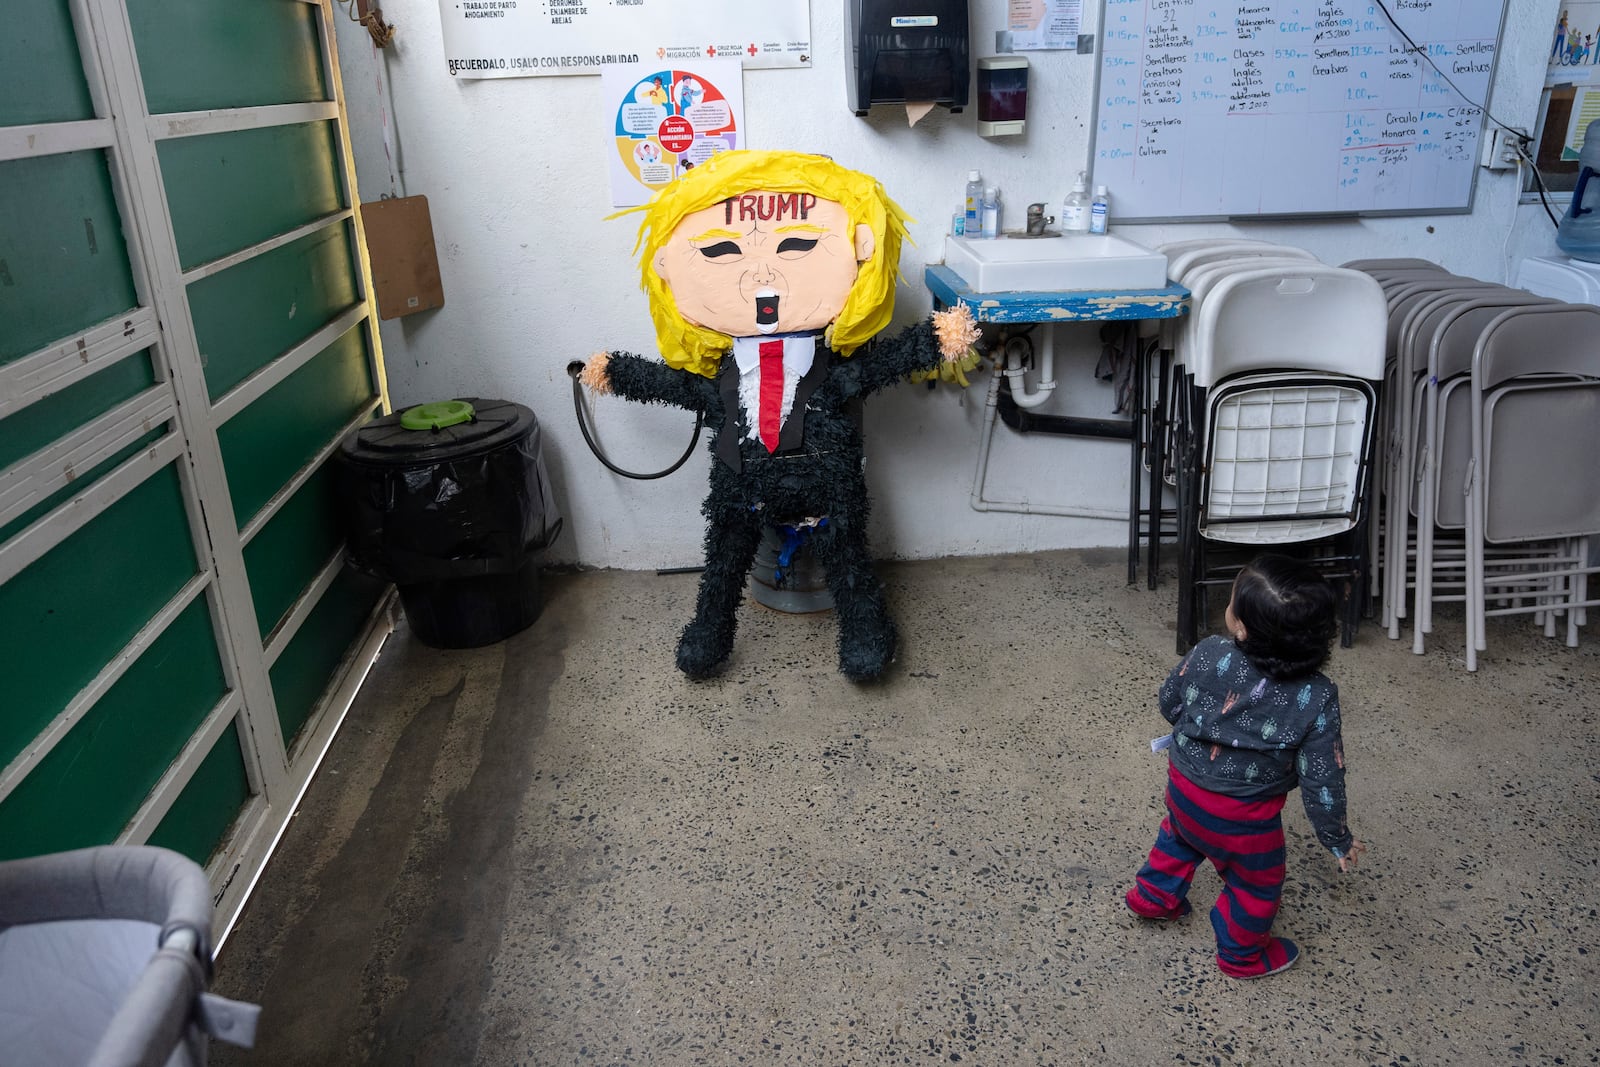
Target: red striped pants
1243	838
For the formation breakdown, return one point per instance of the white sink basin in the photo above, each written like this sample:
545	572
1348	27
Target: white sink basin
1054	264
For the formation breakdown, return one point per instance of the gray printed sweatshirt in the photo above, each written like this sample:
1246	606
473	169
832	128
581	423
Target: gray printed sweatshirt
1238	732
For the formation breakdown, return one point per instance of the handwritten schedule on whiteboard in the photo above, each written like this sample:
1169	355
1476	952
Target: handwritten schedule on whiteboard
1211	109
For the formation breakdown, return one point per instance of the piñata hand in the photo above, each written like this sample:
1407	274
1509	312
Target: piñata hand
956	331
594	376
957	334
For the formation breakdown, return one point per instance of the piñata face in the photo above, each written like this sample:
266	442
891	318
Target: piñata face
762	263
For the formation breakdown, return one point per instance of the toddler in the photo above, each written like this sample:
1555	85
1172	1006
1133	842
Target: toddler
1252	717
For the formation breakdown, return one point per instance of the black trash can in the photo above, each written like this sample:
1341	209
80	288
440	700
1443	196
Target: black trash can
450	501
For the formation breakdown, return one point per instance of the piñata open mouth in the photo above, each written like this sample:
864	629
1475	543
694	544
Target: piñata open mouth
766	310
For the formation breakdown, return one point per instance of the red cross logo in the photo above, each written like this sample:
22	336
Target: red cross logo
712	50
752	49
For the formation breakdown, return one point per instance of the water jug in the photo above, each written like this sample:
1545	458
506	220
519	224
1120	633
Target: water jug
1579	233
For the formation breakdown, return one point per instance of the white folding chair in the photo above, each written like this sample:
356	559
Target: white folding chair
1277	416
1184	260
1175	248
1179	264
1199	280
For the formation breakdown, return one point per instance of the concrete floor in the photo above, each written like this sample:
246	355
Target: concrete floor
557	850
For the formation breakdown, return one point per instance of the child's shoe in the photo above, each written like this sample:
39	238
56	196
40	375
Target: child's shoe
1146	908
1279	955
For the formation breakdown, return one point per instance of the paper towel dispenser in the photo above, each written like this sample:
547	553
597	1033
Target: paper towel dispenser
907	50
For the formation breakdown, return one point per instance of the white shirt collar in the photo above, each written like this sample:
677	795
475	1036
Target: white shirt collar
799	351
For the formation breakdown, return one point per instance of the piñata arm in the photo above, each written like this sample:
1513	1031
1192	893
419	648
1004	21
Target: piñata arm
647	380
943	337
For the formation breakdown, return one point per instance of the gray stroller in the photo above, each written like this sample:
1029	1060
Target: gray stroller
104	958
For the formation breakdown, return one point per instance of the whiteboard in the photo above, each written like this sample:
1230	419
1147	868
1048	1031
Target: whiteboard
1211	109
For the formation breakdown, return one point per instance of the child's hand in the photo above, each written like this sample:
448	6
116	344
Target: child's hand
1351	859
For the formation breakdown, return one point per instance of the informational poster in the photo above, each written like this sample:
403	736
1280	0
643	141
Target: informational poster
1585	109
1574	44
1036	25
1570	100
529	38
667	119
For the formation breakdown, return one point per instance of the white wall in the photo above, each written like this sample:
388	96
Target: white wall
515	175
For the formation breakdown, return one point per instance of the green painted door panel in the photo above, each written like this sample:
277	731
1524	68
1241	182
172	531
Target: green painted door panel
292	549
92	783
266	443
251	313
64	268
85	478
44	422
303	671
195	55
41	74
229	191
63	262
199	820
48	420
69	613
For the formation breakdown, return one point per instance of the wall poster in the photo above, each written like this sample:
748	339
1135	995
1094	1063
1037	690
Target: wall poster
530	38
665	119
1570	100
1041	25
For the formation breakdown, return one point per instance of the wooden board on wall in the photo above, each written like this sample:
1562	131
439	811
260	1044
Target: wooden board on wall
405	264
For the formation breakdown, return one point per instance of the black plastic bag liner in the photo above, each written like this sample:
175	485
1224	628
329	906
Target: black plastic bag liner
448	511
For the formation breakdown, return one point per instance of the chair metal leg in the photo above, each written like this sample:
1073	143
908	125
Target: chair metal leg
1138	450
1188	515
1158	465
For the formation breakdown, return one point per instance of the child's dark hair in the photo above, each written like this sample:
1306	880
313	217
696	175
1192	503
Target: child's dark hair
1290	615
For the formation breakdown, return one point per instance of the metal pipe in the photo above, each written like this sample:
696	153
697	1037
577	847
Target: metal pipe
990	409
1072	425
1016	375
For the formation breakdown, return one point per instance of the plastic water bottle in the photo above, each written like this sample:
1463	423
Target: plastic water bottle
991	212
1578	235
974	203
1075	208
1100	212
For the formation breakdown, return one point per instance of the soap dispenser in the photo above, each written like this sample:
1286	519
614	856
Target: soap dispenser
991	212
1075	208
1100	210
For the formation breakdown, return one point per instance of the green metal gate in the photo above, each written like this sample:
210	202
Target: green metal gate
185	335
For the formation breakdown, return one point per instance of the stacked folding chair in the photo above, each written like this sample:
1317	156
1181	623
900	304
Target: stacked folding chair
1486	387
1534	410
1194	264
1275	393
1419	304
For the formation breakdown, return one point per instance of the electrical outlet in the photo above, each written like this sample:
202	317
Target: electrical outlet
1500	148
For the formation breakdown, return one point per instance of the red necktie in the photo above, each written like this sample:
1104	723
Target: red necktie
771	399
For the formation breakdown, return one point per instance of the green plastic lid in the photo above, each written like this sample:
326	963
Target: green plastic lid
437	415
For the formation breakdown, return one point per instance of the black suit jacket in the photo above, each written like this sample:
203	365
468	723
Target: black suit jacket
792	435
